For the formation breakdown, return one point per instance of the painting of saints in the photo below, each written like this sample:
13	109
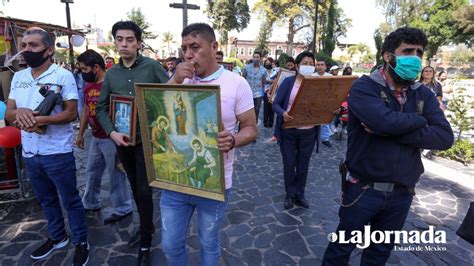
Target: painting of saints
201	165
159	136
180	114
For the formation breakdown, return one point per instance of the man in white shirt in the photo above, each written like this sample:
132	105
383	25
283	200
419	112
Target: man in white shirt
321	67
49	160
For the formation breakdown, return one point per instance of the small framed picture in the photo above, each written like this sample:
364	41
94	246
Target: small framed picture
123	113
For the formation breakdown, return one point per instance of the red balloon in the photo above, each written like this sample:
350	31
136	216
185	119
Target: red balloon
10	137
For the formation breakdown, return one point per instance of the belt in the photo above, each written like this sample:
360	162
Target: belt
389	187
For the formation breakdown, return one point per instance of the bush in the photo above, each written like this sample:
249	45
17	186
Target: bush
462	151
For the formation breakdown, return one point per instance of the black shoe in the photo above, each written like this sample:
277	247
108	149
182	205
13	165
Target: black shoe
288	203
48	247
302	202
143	257
115	218
327	143
81	255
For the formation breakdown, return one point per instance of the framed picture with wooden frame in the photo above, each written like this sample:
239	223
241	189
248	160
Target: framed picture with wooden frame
179	126
123	113
317	98
282	74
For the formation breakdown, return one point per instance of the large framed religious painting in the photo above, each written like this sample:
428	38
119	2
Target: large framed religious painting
317	98
179	126
123	113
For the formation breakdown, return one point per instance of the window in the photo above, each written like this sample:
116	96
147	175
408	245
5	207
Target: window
250	51
242	51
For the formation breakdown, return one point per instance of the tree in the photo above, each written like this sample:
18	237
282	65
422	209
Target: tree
360	48
439	25
299	15
379	35
263	37
168	38
138	17
464	20
227	15
329	43
435	17
294	13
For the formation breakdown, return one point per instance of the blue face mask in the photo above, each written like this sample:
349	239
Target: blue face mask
408	67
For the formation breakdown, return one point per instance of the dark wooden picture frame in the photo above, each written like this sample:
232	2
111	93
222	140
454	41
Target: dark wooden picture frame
123	113
317	98
179	126
282	74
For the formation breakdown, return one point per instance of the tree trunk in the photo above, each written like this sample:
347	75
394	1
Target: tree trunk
291	36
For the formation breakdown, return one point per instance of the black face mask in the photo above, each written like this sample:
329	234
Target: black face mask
268	66
34	59
396	78
88	77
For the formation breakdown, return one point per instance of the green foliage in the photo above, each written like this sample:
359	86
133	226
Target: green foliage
443	21
321	56
438	24
108	49
62	55
263	37
227	15
168	38
137	16
464	20
282	59
329	43
458	115
461	151
298	15
379	35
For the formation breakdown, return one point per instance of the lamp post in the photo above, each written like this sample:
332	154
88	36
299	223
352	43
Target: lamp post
68	20
316	2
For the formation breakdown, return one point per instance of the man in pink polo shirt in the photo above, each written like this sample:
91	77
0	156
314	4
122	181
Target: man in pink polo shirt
200	67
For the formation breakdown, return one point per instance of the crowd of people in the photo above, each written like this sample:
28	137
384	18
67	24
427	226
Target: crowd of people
387	126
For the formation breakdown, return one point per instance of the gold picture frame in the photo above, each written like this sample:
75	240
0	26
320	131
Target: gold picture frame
179	126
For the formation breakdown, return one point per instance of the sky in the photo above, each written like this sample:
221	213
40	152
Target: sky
104	13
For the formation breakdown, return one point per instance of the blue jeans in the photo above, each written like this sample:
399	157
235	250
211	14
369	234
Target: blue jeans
325	132
103	157
176	212
382	210
50	174
257	102
296	146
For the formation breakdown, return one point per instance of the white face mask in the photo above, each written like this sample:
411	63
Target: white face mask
306	70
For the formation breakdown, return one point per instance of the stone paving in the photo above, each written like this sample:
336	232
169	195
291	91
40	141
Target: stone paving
257	230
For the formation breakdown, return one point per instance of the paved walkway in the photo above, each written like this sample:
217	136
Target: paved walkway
257	230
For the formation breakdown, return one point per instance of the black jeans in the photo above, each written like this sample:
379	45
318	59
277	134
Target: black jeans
268	113
296	148
133	161
257	102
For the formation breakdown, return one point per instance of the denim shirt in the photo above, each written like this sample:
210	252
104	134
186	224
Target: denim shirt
254	78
